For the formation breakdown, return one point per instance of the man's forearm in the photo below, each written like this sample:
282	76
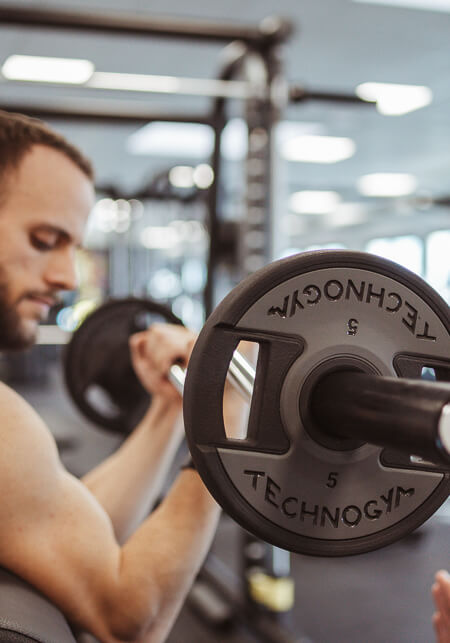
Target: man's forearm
128	482
182	529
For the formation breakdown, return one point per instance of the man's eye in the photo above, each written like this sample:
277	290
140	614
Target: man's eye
42	244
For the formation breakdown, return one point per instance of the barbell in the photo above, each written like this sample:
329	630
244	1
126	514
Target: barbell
347	447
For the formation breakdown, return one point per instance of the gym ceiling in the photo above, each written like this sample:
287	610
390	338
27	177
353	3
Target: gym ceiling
336	45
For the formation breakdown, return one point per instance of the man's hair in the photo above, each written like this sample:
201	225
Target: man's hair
19	133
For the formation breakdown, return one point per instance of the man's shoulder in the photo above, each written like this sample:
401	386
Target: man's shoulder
13	405
19	423
7	394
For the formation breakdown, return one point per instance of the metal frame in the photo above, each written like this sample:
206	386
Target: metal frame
263	109
275	30
102	111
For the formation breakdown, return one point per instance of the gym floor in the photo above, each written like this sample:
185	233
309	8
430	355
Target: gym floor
380	597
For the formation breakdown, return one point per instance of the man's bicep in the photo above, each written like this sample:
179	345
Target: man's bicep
54	533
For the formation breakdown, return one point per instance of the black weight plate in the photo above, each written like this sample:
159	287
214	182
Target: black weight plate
280	483
97	365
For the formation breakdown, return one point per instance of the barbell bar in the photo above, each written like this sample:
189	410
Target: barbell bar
241	375
411	416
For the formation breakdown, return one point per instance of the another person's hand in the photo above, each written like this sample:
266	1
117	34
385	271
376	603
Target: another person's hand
441	595
155	350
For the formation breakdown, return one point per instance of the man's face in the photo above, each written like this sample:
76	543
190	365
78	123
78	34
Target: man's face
44	205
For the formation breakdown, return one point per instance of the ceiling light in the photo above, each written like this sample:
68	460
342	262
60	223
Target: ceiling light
394	100
159	238
164	284
134	82
185	140
318	149
193	275
190	232
168	84
287	130
314	202
182	176
203	176
234	140
47	70
428	5
387	184
109	215
347	214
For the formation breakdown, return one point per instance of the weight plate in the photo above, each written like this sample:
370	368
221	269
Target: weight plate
97	365
280	483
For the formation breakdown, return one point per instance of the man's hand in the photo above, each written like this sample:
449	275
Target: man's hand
441	595
128	483
155	350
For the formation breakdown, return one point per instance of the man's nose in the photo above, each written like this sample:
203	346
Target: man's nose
60	271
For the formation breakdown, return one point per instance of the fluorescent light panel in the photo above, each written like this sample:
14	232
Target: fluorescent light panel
384	184
318	149
347	214
314	201
47	70
133	82
188	140
75	71
167	84
393	99
234	139
159	237
425	5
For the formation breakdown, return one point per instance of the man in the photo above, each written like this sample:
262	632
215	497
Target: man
88	545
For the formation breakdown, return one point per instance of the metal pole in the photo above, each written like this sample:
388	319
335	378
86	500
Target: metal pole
104	111
141	25
235	53
262	72
299	94
241	375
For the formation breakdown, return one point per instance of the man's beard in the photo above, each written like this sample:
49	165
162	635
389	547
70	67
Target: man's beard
13	336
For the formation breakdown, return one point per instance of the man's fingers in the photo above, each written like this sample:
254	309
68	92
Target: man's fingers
138	344
442	601
441	629
443	581
154	351
441	597
443	578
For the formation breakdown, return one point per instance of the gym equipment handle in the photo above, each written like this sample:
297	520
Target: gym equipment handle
411	416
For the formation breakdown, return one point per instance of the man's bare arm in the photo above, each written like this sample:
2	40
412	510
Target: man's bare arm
56	536
128	483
